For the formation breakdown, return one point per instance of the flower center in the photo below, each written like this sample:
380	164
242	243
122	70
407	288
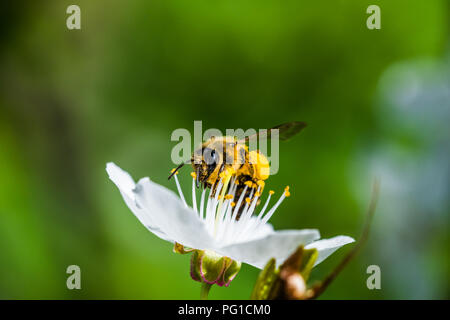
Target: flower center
220	210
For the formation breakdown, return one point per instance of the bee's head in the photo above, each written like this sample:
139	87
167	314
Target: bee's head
205	161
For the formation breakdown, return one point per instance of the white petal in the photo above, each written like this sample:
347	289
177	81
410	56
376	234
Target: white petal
180	223
279	245
262	230
327	246
256	230
126	184
121	179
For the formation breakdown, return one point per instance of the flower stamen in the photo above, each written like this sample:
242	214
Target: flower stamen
180	192
272	210
222	209
194	195
202	203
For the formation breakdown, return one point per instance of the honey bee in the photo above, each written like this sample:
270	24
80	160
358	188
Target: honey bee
249	168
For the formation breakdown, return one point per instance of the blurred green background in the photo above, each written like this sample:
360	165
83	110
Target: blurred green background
376	101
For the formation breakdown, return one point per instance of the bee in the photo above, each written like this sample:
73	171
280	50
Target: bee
250	168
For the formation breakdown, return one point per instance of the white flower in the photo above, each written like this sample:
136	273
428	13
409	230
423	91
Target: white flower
212	224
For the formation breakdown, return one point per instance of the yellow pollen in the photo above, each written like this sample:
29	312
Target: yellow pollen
287	194
248	200
233	204
248	184
193	175
257	194
271	192
260	183
236	182
228	197
287	188
171	171
225	174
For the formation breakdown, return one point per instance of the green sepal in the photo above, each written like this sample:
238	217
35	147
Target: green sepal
231	270
209	267
179	248
195	266
307	263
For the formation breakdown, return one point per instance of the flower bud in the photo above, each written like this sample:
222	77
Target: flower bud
209	267
289	280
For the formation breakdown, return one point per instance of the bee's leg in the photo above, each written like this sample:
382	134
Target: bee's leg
242	180
213	189
238	194
241	208
221	169
197	177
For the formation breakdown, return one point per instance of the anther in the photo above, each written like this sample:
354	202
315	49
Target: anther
286	192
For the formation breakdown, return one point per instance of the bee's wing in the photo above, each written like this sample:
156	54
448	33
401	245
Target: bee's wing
285	130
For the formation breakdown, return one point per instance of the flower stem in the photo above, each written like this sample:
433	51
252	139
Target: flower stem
205	290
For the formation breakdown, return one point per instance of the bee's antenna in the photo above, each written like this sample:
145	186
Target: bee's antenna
176	170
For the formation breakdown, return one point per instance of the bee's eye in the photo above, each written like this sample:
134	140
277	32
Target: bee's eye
210	156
